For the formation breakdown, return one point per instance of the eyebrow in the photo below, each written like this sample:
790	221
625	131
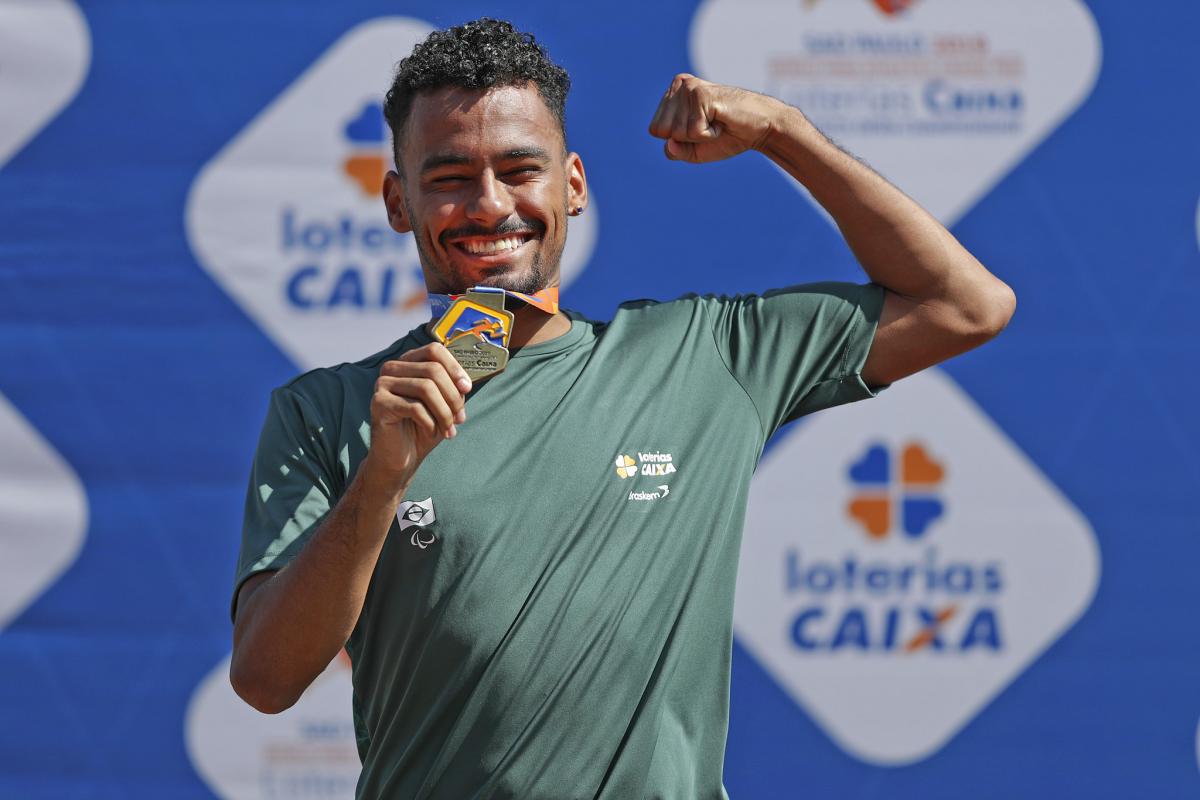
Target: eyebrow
457	159
536	153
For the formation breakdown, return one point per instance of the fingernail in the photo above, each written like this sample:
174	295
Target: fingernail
450	434
461	416
464	384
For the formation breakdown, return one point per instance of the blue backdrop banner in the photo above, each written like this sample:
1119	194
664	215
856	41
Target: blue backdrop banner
978	585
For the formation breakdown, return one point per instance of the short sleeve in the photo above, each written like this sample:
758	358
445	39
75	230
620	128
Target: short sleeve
799	349
291	487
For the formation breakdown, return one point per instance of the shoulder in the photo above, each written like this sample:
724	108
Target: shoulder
816	301
328	388
687	308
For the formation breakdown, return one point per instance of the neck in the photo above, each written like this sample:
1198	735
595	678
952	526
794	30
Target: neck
532	326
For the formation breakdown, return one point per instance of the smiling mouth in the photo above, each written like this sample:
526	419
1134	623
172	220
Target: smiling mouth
492	245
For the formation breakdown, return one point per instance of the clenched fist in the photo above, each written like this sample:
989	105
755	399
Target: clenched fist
704	121
419	399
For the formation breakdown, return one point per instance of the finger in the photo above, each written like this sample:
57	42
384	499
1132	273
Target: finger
679	151
431	370
660	114
660	124
390	408
678	121
451	365
698	127
425	391
436	351
435	372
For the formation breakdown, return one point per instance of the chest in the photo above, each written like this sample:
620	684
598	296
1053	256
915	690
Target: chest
568	476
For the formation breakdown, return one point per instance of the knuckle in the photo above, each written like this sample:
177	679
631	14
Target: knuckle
409	409
417	353
421	369
422	388
430	394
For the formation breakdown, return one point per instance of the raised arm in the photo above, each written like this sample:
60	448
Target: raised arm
941	301
290	624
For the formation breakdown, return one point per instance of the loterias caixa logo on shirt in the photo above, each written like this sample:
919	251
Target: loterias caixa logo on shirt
654	464
903	562
288	217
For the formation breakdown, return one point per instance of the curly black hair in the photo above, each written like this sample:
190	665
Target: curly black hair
475	55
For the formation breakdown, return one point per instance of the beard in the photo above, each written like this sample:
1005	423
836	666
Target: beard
541	273
536	278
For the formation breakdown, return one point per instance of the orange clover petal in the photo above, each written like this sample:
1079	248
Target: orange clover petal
891	7
873	512
918	467
367	172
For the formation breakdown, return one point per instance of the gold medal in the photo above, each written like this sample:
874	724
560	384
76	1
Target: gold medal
479	357
476	329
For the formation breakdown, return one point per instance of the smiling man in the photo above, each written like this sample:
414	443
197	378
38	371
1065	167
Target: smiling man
533	573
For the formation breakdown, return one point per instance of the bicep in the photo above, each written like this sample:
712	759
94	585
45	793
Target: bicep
249	587
913	335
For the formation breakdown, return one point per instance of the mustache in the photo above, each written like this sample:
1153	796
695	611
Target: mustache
503	229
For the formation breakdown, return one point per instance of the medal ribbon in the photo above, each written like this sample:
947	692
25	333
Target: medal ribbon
543	300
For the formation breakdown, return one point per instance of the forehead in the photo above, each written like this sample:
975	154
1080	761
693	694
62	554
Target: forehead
479	124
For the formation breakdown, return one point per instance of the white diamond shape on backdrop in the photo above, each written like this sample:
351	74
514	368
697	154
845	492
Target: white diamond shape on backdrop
43	514
894	641
1198	744
307	751
943	98
286	221
45	49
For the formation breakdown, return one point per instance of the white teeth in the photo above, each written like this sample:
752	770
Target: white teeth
480	248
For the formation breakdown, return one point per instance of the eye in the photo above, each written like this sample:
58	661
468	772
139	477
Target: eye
529	170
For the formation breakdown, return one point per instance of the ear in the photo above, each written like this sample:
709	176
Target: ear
577	193
393	199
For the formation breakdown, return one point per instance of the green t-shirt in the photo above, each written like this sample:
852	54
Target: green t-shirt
560	625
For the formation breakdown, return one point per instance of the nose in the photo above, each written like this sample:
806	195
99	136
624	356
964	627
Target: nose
492	202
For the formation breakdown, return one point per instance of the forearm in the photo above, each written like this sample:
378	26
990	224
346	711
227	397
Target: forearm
293	624
899	245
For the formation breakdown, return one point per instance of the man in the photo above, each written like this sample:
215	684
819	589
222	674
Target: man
527	617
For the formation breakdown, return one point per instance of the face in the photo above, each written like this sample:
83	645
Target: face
486	189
